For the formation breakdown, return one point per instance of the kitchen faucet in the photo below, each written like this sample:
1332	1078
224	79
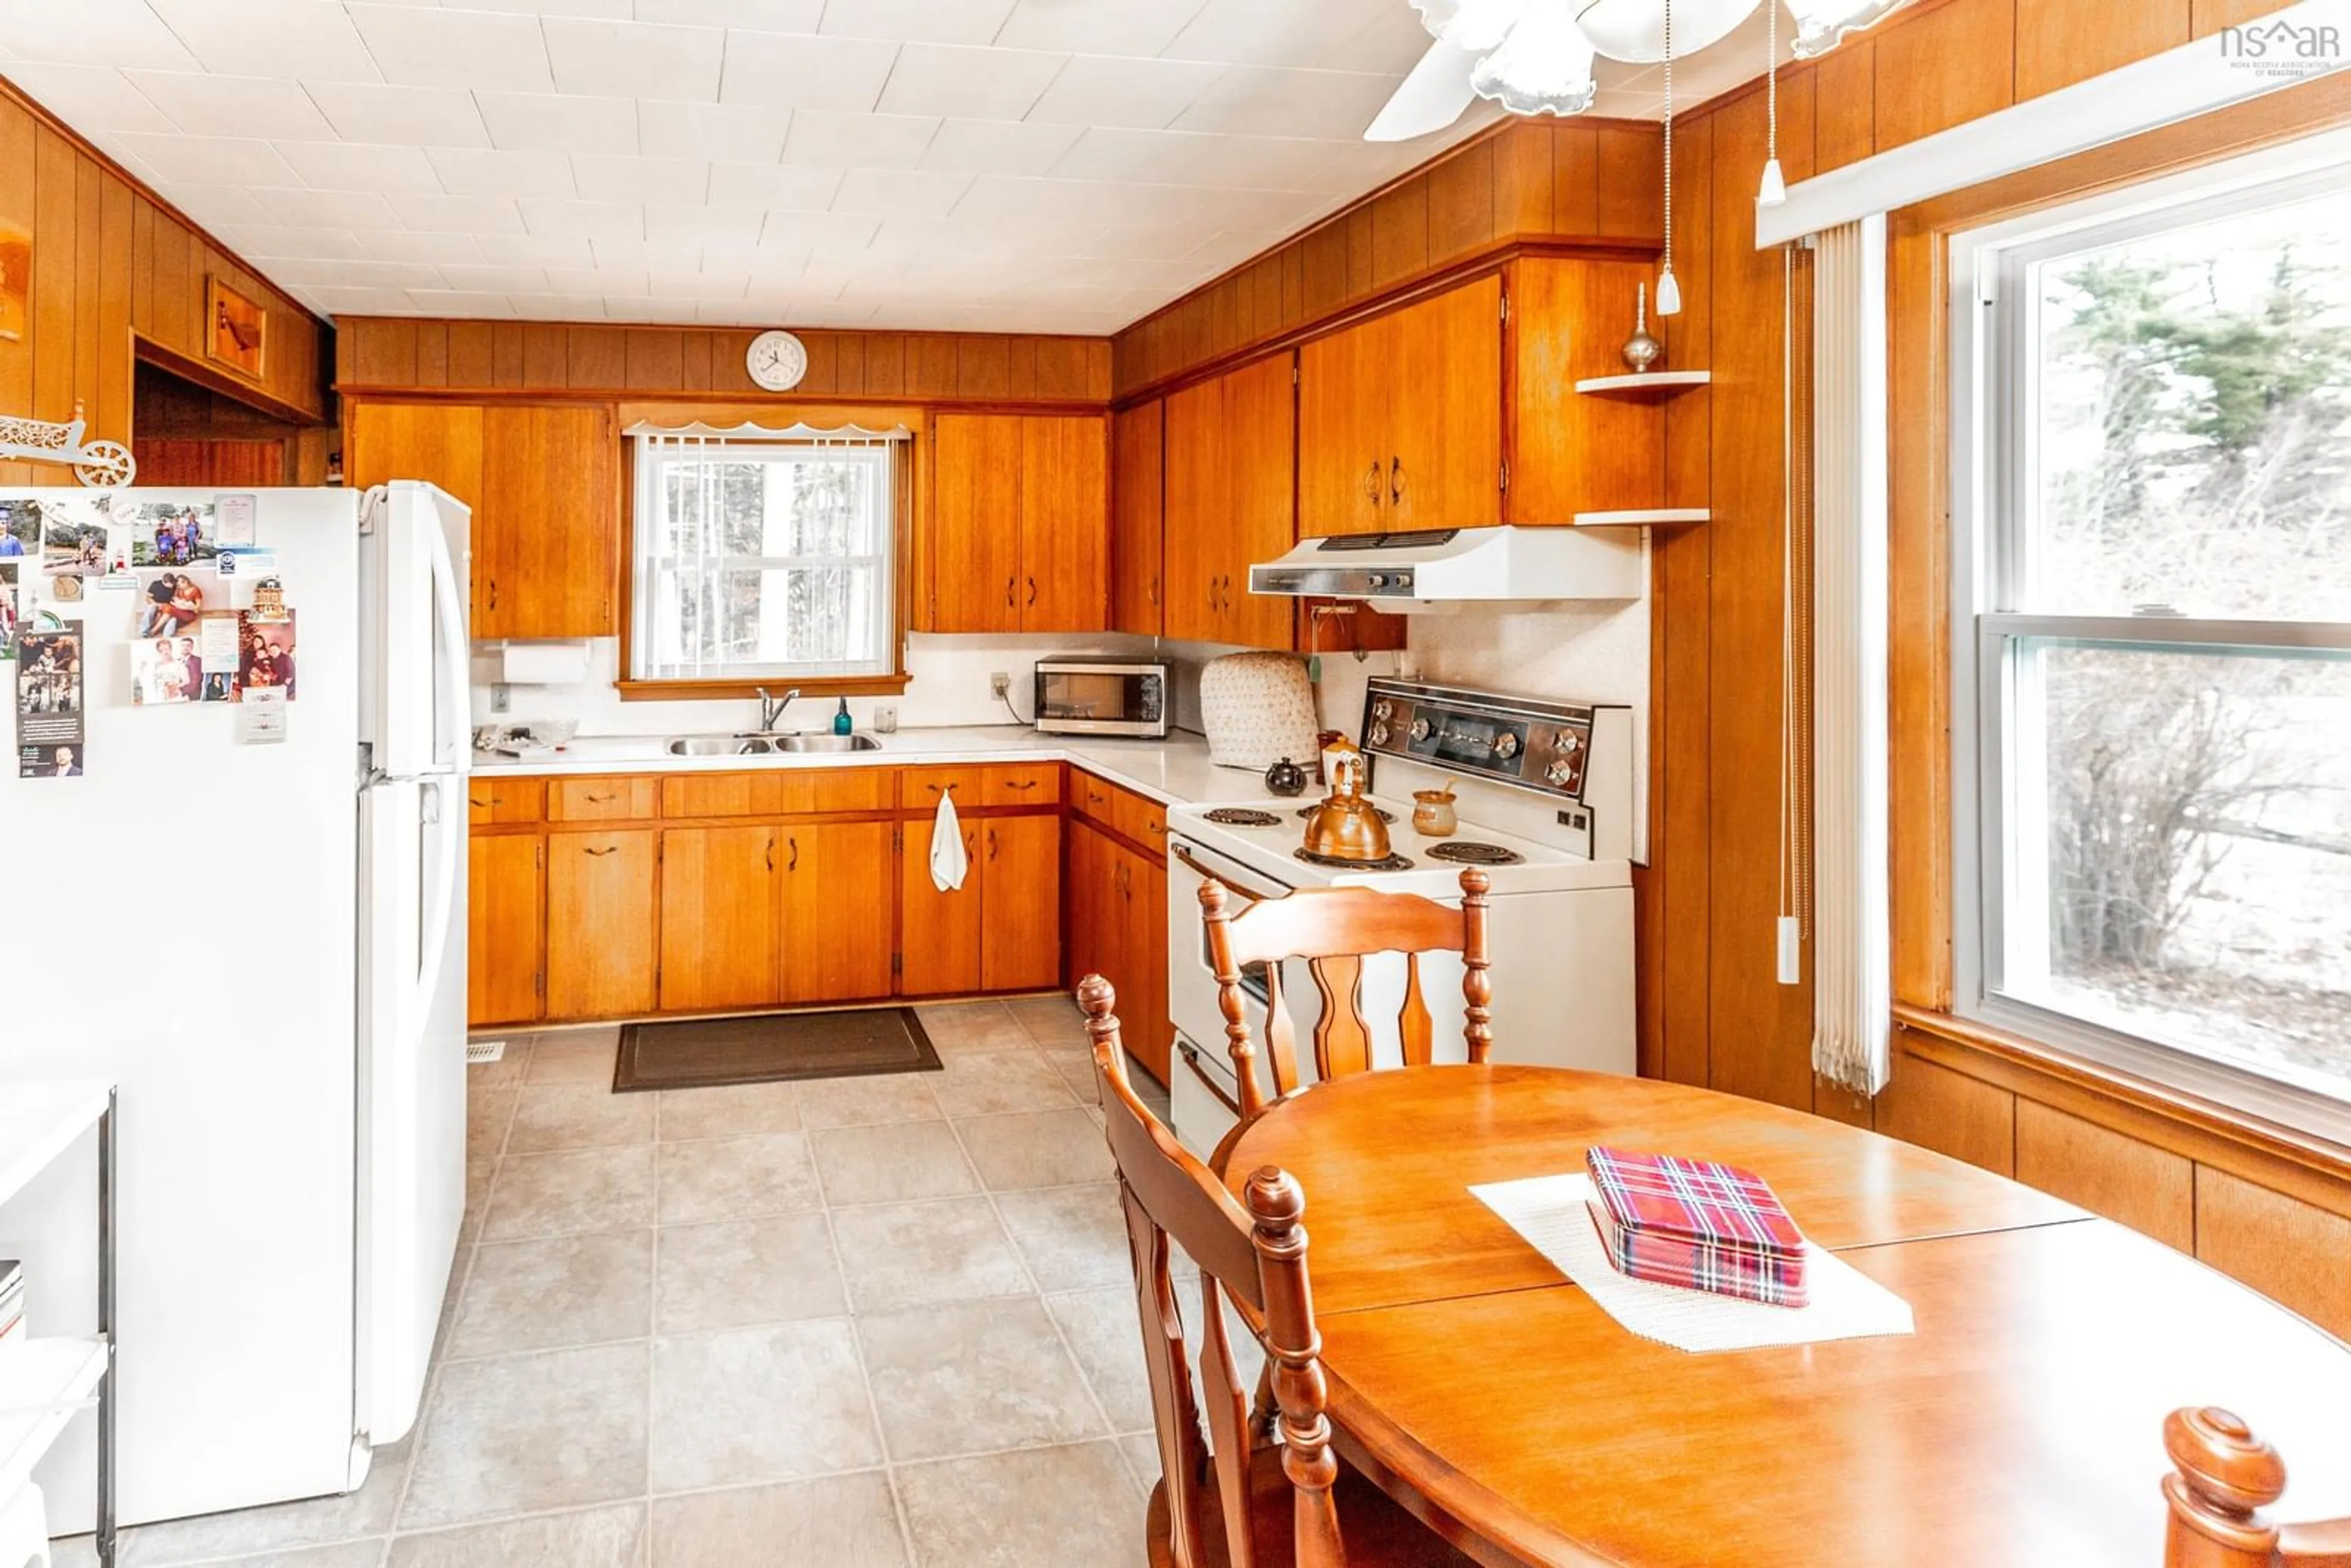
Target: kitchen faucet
772	708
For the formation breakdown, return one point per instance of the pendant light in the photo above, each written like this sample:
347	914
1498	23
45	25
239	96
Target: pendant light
1820	24
1670	292
1775	185
1634	30
1543	66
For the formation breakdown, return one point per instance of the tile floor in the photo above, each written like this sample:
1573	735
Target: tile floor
879	1322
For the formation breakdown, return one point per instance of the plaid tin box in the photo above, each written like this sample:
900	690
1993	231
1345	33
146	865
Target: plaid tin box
1696	1224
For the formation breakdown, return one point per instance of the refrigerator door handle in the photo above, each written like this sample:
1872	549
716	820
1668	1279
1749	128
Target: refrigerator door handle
453	748
436	923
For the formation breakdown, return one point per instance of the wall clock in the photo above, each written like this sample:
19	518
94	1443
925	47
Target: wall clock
777	361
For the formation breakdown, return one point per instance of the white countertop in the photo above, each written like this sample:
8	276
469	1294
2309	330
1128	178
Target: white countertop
1176	771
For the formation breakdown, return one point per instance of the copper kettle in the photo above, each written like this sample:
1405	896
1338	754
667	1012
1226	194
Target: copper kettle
1346	826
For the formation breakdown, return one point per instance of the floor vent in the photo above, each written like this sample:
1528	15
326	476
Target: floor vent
478	1051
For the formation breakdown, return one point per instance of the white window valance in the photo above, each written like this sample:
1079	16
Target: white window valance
839	434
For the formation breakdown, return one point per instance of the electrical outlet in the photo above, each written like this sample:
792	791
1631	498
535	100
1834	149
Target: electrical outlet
501	697
999	685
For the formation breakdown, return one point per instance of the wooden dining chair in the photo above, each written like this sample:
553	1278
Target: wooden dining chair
1334	930
2223	1477
1235	1496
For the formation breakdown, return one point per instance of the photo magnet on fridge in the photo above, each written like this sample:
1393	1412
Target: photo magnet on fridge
20	527
266	657
173	602
169	533
49	734
78	538
166	669
9	608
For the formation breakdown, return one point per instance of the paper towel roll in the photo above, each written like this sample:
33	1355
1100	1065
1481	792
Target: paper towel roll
543	663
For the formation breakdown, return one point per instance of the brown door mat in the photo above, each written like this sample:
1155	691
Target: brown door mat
697	1053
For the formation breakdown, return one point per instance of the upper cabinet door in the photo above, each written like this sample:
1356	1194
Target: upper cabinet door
1065	523
1569	453
1137	519
1260	458
975	541
1198	511
1343	383
440	443
547	528
1444	425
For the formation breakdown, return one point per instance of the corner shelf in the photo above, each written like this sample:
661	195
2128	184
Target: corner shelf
1643	386
43	1383
1645	516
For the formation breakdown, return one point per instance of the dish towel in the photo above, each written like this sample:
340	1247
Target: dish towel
1551	1214
949	864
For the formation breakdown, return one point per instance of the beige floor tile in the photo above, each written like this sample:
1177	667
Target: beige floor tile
897	1255
961	1029
759	1405
969	1377
561	1290
1000	1081
578	1116
593	1538
1105	1334
890	1163
1052	1021
737	1178
1076	1068
510	1067
524	1434
1072	1236
735	1110
1061	1507
489	1108
575	1056
480	1178
1038	1148
731	1275
579	1190
834	1521
1141	1451
366	1512
869	1101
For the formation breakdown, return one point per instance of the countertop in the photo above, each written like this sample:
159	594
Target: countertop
1176	771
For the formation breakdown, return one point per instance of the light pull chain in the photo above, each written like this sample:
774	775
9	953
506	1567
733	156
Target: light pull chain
1670	292
1775	185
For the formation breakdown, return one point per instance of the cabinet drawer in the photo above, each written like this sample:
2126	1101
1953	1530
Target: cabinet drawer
1092	796
601	799
990	784
1012	786
499	800
780	792
1142	820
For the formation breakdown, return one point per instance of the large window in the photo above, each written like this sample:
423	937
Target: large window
2153	651
763	561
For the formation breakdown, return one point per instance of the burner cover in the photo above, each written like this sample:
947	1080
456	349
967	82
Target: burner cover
1307	813
1336	862
1240	817
1469	852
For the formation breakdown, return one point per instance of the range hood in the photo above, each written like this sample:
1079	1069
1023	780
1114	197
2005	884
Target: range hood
1436	570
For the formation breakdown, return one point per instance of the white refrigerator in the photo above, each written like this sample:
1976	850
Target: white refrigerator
264	946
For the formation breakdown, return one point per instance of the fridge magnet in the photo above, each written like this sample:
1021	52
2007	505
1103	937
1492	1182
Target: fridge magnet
164	670
220	644
269	602
20	527
62	590
169	533
266	660
49	705
174	601
245	561
238	328
234	515
8	610
261	717
16	281
74	539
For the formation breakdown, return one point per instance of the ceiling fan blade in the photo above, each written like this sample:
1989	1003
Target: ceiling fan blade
1431	97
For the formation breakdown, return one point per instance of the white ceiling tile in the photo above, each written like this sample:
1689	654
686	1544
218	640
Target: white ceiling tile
998	147
204	105
266	242
557	307
604	280
207	160
1254	33
285	38
918	21
676	180
479	215
636	59
700	286
1147	242
606	10
487	171
327	209
767	15
90	98
1096	90
829	141
1097	26
534	250
413	116
715	132
354	166
334	301
788	71
1622	105
970	83
433	46
888	191
214	205
811	231
492	280
1390	44
673	312
91	32
292	273
432	249
643	255
1182	158
1078	202
1277	100
584	220
1279	212
458	302
554	122
737	224
774	184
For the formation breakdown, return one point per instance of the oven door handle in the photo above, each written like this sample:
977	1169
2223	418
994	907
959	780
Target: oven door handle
1178	851
1191	1054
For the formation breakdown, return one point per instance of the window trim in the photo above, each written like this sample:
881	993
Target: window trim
905	474
1988	354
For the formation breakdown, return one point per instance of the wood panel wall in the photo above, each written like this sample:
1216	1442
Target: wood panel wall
384	354
112	259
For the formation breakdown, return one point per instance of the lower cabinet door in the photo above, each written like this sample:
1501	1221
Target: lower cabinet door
1092	930
1149	1038
938	932
838	891
505	961
721	933
601	951
1021	901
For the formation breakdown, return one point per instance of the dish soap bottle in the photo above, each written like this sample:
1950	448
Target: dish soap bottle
841	725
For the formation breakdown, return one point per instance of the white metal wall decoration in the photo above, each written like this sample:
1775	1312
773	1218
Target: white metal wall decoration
101	465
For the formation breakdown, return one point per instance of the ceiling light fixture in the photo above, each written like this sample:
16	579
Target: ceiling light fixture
1821	24
1542	67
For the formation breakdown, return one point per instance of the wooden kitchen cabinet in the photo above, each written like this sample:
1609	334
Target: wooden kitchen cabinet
546	531
1137	519
1020	535
1570	452
601	949
975	545
721	917
839	918
938	931
1227	503
504	944
1065	523
1020	903
1118	911
440	443
1142	943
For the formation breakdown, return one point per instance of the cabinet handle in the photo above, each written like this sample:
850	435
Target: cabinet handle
934	789
1011	587
494	593
600	854
1372	485
1154	596
477	802
1396	480
795	863
600	799
1033	591
991	844
1022	784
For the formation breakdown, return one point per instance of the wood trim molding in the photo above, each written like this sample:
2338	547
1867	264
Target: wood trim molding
708	691
145	350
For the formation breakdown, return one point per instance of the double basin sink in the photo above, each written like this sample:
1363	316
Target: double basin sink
762	745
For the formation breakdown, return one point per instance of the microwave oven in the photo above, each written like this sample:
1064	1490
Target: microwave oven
1102	697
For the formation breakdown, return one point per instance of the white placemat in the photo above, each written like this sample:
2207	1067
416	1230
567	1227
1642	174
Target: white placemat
1549	1212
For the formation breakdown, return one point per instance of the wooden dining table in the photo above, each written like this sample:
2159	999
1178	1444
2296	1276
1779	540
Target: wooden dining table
2020	1424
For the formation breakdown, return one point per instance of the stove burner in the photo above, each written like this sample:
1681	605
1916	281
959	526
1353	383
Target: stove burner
1469	852
1390	863
1307	813
1240	817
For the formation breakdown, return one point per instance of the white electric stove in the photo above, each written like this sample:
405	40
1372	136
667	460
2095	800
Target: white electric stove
1545	798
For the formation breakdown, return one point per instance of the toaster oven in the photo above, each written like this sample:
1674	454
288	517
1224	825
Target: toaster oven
1102	697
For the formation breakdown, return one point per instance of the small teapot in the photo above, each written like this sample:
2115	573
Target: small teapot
1346	826
1432	812
1286	777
